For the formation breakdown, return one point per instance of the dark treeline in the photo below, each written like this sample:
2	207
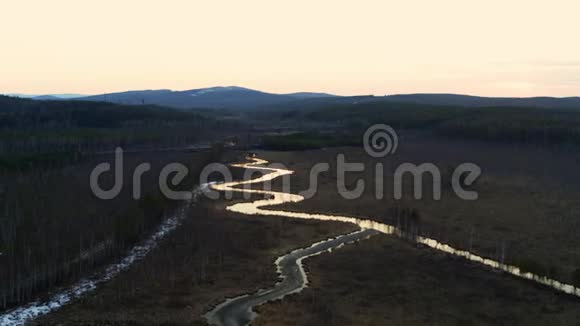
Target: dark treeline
536	126
521	125
32	114
30	129
305	141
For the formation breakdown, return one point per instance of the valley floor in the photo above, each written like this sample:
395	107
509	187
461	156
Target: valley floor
381	281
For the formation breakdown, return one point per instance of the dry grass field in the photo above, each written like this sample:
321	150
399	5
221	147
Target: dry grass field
386	281
380	281
214	255
528	209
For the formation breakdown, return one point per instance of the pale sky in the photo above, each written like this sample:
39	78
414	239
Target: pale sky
493	47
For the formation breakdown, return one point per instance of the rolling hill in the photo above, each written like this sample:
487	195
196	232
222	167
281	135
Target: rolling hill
478	101
234	97
213	97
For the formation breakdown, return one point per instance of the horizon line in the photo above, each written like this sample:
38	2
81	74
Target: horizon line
37	94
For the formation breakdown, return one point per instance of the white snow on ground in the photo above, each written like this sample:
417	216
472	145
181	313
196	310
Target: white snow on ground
32	310
213	90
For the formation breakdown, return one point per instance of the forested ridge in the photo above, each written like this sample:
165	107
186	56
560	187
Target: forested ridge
497	124
55	133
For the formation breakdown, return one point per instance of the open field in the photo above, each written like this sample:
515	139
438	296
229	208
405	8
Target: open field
387	281
526	213
212	256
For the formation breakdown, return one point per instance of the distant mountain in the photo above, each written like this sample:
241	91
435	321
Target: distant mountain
213	97
333	101
244	98
48	97
438	100
306	95
478	101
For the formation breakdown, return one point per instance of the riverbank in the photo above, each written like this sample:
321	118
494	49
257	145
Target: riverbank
292	280
527	209
214	255
387	281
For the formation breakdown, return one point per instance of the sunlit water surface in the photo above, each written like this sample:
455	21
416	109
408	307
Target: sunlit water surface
276	198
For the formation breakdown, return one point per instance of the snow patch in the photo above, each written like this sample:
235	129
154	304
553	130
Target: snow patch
33	310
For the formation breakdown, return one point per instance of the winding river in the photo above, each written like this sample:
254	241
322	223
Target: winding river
239	311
